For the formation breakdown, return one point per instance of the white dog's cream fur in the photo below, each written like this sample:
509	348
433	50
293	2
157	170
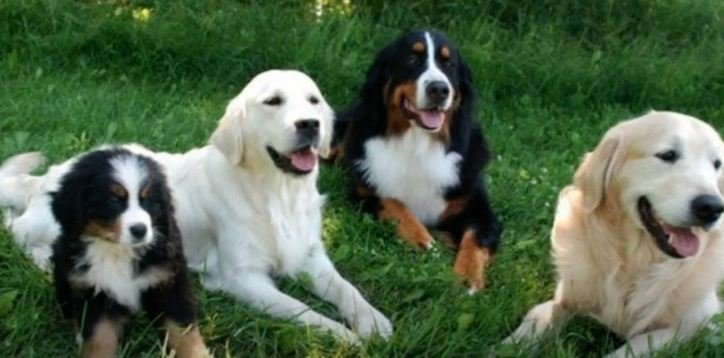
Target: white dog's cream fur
243	220
608	265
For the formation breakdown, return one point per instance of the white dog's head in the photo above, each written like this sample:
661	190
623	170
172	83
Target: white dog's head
280	119
663	172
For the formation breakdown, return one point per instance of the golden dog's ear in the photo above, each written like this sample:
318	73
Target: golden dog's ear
595	174
227	137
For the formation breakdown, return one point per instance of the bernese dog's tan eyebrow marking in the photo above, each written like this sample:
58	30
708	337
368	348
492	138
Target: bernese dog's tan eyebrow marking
418	47
445	52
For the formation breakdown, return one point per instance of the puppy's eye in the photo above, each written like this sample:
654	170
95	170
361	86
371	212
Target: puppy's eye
273	101
717	164
412	60
668	156
448	64
313	99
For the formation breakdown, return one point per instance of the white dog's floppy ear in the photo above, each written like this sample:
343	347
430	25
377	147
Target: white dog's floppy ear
227	137
325	147
595	174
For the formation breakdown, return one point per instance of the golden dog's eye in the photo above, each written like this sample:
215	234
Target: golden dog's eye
668	156
273	101
313	100
717	164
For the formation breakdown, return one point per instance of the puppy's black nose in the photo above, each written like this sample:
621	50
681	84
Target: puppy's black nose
437	91
308	128
138	231
707	208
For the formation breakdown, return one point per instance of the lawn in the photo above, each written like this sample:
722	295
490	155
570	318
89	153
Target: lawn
551	76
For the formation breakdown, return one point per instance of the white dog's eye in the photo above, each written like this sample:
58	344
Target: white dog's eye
273	101
313	99
717	164
668	156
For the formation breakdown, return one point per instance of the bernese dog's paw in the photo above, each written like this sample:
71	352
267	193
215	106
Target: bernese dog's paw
471	262
415	234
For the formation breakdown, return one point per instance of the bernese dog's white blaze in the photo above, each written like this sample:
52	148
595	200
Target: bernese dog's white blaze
135	222
423	170
432	114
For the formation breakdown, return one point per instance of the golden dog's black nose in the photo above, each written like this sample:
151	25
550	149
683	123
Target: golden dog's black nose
707	208
307	128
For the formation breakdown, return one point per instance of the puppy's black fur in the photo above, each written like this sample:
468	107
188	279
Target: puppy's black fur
377	115
85	204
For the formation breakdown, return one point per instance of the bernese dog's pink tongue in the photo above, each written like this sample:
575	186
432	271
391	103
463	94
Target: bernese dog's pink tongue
432	118
304	160
683	241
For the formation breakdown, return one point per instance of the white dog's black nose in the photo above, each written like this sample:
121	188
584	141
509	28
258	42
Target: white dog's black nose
707	208
138	231
437	91
308	128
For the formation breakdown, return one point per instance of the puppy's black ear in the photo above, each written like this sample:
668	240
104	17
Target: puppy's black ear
67	203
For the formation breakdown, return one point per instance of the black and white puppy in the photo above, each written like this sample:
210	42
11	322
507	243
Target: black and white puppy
120	251
415	150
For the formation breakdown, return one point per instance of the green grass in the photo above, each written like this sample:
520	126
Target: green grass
551	77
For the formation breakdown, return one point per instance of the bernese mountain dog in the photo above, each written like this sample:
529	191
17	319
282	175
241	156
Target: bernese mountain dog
415	150
120	251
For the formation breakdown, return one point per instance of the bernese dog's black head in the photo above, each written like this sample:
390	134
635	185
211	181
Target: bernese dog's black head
116	196
421	80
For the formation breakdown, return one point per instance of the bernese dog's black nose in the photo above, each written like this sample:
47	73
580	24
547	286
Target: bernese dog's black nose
138	231
437	91
307	128
707	208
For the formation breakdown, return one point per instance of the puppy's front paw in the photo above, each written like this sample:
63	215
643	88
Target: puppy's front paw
369	321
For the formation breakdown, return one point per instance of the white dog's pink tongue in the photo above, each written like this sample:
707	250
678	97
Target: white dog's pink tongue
304	160
683	241
432	118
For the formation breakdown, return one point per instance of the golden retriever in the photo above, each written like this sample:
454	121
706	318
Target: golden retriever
636	239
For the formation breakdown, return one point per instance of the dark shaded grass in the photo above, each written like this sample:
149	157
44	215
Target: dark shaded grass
551	75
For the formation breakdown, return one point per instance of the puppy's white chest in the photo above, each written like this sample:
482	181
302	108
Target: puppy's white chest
413	168
111	270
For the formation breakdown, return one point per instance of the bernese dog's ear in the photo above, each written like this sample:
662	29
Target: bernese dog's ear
67	203
466	81
373	88
227	137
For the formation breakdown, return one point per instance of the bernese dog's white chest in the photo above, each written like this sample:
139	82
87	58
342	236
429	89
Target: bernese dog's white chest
413	168
110	268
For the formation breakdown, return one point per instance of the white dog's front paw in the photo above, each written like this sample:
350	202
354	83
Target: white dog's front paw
368	321
345	335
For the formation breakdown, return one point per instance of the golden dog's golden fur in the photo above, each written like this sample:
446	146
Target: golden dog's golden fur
609	264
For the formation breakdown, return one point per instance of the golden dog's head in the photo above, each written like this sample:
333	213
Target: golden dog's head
280	119
661	171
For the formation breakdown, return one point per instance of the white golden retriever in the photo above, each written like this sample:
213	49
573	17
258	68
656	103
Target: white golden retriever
247	204
637	240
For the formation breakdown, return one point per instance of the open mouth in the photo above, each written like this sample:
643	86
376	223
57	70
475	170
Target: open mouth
299	161
430	118
676	242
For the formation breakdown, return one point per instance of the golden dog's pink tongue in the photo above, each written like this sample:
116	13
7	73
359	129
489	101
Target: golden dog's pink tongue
432	118
683	241
304	160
